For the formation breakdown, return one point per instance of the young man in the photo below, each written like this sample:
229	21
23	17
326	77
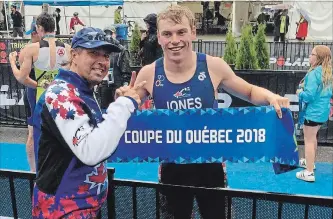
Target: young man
46	56
75	138
200	75
29	95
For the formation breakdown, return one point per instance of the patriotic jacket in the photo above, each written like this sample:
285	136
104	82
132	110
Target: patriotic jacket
74	139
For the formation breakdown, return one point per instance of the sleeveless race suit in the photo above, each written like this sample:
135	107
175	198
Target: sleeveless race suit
197	93
44	74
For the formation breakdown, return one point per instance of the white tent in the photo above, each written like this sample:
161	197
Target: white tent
320	15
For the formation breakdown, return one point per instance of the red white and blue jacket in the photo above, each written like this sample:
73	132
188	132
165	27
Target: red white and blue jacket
73	140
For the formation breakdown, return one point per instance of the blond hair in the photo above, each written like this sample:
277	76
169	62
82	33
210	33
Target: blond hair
324	58
176	14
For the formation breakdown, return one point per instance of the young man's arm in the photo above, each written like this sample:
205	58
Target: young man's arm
22	75
244	90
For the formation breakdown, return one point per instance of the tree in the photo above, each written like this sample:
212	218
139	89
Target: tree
246	56
135	45
231	48
261	47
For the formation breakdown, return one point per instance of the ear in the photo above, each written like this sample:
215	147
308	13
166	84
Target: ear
194	33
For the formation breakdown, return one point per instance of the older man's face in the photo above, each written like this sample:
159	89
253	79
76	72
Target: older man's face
92	64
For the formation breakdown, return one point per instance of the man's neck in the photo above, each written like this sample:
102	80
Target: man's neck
181	66
49	36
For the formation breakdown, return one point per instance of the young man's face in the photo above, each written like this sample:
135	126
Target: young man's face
92	64
13	9
176	39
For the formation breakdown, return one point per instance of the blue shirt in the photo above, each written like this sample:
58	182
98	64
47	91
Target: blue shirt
196	93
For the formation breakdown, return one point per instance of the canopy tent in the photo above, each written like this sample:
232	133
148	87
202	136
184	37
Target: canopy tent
320	16
74	2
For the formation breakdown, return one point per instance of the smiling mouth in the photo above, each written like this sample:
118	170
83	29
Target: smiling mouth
176	49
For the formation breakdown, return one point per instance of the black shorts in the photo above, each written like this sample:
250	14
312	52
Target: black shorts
312	123
177	203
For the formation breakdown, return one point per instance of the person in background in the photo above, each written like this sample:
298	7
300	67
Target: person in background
284	25
29	94
17	22
315	93
302	28
75	20
262	18
117	15
150	49
58	17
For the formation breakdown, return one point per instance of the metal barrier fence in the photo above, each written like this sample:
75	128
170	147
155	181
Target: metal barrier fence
283	56
131	199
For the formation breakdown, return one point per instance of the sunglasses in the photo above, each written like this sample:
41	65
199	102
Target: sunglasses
94	36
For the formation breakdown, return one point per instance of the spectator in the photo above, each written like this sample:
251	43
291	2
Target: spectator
315	93
58	17
262	18
117	15
302	28
17	22
150	49
75	20
281	22
76	139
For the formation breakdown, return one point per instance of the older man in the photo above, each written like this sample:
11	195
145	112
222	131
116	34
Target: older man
75	138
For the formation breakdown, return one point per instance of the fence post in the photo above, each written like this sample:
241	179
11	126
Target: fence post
111	206
199	45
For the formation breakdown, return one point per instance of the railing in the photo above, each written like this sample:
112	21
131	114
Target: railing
283	56
131	199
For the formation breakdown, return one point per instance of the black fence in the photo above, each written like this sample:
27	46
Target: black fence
283	56
131	199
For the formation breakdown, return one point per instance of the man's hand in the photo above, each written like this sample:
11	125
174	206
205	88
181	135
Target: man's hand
12	57
131	90
277	101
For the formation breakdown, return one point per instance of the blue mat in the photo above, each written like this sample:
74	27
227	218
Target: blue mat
245	176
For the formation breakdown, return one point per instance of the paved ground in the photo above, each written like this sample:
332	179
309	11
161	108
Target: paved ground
18	135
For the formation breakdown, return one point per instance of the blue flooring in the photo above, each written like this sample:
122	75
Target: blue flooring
248	176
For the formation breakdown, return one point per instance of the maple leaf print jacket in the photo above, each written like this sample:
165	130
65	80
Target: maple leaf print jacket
72	141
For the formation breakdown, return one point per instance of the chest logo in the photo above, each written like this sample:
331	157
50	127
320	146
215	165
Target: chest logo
202	76
159	81
185	92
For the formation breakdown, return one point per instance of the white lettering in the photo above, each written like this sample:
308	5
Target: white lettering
251	135
143	136
190	103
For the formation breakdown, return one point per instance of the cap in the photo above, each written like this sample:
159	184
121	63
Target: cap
90	38
32	28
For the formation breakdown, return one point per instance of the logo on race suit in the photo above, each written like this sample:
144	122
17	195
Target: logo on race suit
183	93
61	52
159	81
282	61
202	76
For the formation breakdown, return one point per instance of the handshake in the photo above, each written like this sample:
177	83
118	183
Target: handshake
131	90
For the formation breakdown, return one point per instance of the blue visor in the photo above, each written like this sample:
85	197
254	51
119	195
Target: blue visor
32	29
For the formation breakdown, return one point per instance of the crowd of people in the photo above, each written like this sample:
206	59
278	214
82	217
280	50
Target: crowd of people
73	137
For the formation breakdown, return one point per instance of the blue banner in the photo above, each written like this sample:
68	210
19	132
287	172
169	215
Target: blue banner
248	134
